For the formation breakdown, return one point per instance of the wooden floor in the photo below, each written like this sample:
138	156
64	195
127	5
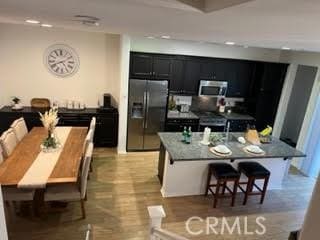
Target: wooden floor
122	186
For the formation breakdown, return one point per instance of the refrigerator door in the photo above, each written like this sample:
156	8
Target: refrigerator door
157	93
136	114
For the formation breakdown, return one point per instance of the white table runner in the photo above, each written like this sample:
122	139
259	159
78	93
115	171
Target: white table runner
42	167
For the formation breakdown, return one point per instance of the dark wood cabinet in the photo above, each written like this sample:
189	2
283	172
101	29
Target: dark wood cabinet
177	78
213	69
177	125
191	77
239	77
150	66
162	67
259	83
106	134
264	96
141	65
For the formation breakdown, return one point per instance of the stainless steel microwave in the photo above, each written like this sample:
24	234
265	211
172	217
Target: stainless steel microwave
213	88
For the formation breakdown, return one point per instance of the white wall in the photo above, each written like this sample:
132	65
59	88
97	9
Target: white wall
142	44
123	106
23	74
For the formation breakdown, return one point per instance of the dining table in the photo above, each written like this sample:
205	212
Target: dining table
29	167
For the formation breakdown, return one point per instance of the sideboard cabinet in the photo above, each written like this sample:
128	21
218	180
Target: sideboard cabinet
106	134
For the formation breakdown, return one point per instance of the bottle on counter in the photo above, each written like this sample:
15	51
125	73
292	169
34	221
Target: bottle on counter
184	134
189	136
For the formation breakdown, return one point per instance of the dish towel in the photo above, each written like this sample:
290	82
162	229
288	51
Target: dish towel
42	167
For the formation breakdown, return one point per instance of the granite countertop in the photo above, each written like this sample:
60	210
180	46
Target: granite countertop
179	115
180	151
236	116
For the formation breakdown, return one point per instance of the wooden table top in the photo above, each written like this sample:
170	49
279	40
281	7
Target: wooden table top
67	168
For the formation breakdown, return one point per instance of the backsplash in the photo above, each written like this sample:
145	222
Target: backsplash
182	100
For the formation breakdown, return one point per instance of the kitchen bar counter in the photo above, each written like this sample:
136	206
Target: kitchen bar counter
183	168
195	151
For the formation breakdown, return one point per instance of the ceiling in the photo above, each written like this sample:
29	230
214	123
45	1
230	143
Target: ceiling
258	23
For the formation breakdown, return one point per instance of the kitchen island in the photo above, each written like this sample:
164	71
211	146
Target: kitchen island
183	168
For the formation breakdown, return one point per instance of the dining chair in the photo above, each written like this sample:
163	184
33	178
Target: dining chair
93	124
1	156
14	195
8	141
72	192
19	128
87	141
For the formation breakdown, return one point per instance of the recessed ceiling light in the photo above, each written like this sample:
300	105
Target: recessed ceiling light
97	24
32	21
230	43
285	48
165	37
150	37
46	25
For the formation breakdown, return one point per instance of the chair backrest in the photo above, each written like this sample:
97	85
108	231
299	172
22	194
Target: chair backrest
1	156
87	141
19	128
8	142
93	123
93	126
85	170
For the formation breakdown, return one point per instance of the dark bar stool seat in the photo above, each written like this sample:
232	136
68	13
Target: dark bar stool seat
253	172
223	173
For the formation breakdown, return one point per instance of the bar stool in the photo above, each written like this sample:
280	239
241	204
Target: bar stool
253	172
223	173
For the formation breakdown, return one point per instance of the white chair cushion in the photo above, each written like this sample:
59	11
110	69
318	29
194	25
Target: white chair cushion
63	192
19	128
16	194
85	170
8	142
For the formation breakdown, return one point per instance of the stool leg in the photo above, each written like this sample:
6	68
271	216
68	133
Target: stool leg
208	181
234	192
248	189
264	190
216	195
224	187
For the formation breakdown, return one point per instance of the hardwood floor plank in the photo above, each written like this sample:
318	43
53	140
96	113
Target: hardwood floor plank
122	186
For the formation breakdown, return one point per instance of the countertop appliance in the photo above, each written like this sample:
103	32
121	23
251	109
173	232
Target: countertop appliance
146	113
213	120
213	88
184	108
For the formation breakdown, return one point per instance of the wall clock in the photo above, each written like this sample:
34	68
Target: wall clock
61	60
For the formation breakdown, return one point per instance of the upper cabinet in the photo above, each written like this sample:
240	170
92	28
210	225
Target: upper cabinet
141	65
265	92
185	76
150	66
213	69
191	77
239	77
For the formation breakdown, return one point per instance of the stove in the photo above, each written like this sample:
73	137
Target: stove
211	119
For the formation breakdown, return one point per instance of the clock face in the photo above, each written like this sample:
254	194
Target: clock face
61	60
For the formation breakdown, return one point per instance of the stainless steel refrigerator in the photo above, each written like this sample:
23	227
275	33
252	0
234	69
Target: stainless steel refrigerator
146	113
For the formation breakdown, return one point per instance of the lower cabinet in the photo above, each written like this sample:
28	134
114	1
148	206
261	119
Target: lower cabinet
106	134
177	125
